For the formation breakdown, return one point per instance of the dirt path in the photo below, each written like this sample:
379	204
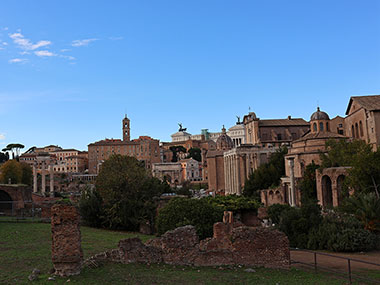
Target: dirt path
338	263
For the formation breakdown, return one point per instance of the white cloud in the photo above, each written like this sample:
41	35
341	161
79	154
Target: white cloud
85	42
17	60
2	137
26	44
65	50
116	38
43	53
5	43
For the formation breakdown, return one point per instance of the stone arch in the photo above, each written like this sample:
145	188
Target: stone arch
339	188
327	191
361	129
5	202
356	130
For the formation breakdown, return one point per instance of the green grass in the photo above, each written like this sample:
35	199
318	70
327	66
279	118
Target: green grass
24	246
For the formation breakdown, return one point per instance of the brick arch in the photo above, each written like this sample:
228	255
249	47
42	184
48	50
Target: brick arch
327	191
4	198
334	177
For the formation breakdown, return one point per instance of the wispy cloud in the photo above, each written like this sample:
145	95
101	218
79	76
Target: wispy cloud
4	43
85	42
17	60
44	53
65	50
116	38
2	137
26	44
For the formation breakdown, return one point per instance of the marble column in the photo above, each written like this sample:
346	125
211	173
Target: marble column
51	179
35	189
43	190
292	183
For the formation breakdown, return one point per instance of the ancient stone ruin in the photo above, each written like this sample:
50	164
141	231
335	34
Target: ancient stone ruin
231	244
66	248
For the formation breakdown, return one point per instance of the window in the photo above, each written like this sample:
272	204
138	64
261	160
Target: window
315	127
279	137
321	127
353	131
327	126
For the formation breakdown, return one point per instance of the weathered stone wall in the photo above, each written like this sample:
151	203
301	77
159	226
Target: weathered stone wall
231	244
66	251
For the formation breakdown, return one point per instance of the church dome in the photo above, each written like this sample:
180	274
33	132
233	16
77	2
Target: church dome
224	142
319	115
252	115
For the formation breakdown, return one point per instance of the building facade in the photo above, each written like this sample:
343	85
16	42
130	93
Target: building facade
144	149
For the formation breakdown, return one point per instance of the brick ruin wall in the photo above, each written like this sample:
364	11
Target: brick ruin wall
66	251
231	244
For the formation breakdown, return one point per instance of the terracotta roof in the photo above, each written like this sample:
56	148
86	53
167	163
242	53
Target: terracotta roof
62	150
283	122
320	135
113	142
370	103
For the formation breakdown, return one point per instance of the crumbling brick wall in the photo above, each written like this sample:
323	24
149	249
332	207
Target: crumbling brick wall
231	244
66	251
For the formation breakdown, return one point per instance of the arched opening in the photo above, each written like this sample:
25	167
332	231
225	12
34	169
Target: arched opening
361	129
5	202
321	127
327	191
315	127
342	192
327	126
356	130
353	131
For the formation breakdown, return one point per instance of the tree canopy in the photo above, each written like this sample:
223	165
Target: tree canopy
266	175
16	173
128	192
364	174
195	153
175	150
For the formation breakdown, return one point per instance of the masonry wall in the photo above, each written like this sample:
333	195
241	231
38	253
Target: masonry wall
66	251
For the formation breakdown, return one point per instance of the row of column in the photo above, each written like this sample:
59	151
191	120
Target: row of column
43	175
232	174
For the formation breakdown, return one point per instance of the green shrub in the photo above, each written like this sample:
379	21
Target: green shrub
90	208
276	211
234	203
183	211
342	233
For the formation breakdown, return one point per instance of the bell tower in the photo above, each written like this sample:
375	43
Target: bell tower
126	129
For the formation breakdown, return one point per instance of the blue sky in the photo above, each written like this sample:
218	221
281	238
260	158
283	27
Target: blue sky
69	70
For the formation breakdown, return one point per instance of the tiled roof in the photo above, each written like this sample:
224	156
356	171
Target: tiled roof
370	103
320	135
113	142
283	122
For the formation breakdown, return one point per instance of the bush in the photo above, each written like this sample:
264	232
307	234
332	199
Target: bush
234	203
90	208
342	233
276	211
183	211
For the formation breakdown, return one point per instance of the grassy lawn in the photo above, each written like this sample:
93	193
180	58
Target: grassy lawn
24	246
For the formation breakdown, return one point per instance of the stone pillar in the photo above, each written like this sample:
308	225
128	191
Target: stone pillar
43	178
35	189
66	250
292	183
51	174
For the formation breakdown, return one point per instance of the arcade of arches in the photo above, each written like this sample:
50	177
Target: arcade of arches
330	186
